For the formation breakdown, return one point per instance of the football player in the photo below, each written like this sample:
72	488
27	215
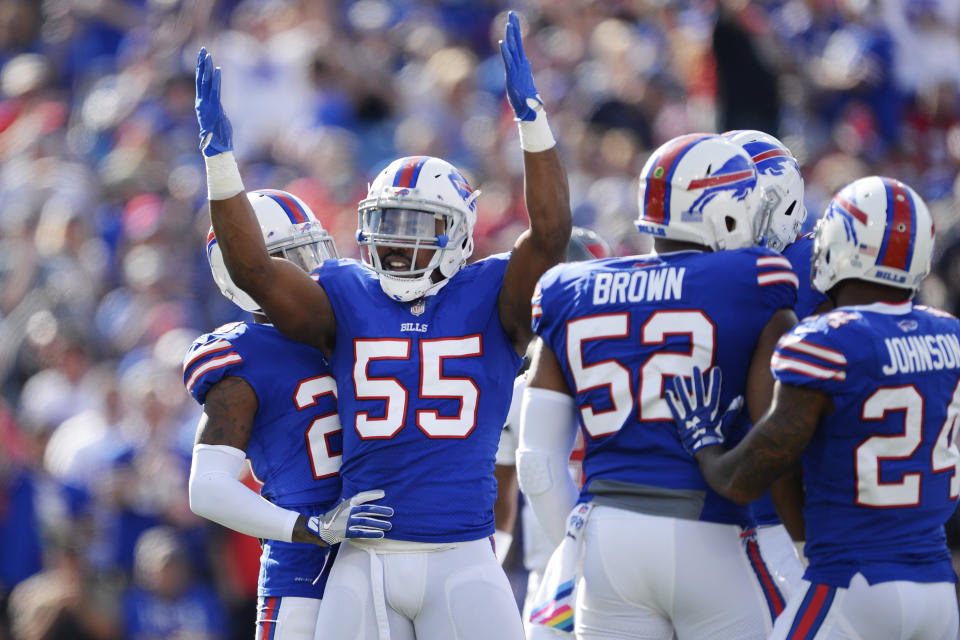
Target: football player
781	217
585	244
273	400
868	400
424	349
656	541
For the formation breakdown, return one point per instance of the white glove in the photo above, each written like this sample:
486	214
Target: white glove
353	519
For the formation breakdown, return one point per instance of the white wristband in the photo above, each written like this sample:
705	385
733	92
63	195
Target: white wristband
535	135
223	176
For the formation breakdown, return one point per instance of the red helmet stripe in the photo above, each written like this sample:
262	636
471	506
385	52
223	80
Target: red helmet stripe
294	211
852	209
656	198
771	153
409	172
716	181
897	241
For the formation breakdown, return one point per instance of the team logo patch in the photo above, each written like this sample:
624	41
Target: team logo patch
418	307
908	325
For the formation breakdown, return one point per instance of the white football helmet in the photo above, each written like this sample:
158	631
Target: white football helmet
782	213
290	230
700	188
586	244
876	229
403	207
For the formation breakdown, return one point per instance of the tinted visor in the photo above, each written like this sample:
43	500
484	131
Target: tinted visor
400	223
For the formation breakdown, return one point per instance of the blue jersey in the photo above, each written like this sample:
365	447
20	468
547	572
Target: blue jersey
800	255
296	440
623	327
424	390
881	472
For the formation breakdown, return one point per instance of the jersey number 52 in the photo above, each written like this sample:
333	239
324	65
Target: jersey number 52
693	324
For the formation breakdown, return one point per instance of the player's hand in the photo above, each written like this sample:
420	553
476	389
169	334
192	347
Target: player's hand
353	518
216	134
522	94
695	409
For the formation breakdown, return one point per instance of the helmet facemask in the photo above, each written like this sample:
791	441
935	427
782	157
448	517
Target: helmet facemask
776	229
307	248
412	226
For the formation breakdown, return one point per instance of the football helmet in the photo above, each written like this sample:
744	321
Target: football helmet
586	244
781	213
418	203
876	229
700	188
290	230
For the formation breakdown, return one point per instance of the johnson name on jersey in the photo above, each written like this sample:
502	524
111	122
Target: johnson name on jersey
295	445
424	389
623	327
881	471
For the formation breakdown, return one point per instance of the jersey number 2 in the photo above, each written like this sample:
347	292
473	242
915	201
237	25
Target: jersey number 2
871	492
323	462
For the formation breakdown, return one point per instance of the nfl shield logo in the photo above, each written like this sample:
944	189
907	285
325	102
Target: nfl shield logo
418	307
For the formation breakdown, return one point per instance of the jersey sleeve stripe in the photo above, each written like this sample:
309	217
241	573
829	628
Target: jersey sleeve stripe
215	363
795	343
782	363
206	350
774	277
773	261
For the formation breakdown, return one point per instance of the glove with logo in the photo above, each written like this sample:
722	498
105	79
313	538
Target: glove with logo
695	408
353	518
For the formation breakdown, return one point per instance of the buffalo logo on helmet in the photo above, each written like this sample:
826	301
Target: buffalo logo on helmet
735	176
463	188
769	158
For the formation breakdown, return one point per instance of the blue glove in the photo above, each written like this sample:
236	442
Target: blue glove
520	89
695	409
216	134
353	519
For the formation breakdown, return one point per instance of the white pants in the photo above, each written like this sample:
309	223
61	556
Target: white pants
780	556
884	611
457	593
286	618
657	577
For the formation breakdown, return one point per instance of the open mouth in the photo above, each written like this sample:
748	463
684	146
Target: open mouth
395	262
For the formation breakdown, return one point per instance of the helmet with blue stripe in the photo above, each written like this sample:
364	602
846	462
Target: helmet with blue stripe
700	188
420	205
782	213
290	230
876	229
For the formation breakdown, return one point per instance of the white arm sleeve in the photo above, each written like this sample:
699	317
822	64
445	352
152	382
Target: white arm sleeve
548	430
507	449
218	495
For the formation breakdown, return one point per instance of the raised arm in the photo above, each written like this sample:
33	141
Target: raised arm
289	297
546	194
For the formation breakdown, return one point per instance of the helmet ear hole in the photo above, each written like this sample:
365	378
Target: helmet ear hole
731	223
790	209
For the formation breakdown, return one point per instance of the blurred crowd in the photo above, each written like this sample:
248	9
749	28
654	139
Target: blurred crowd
103	278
